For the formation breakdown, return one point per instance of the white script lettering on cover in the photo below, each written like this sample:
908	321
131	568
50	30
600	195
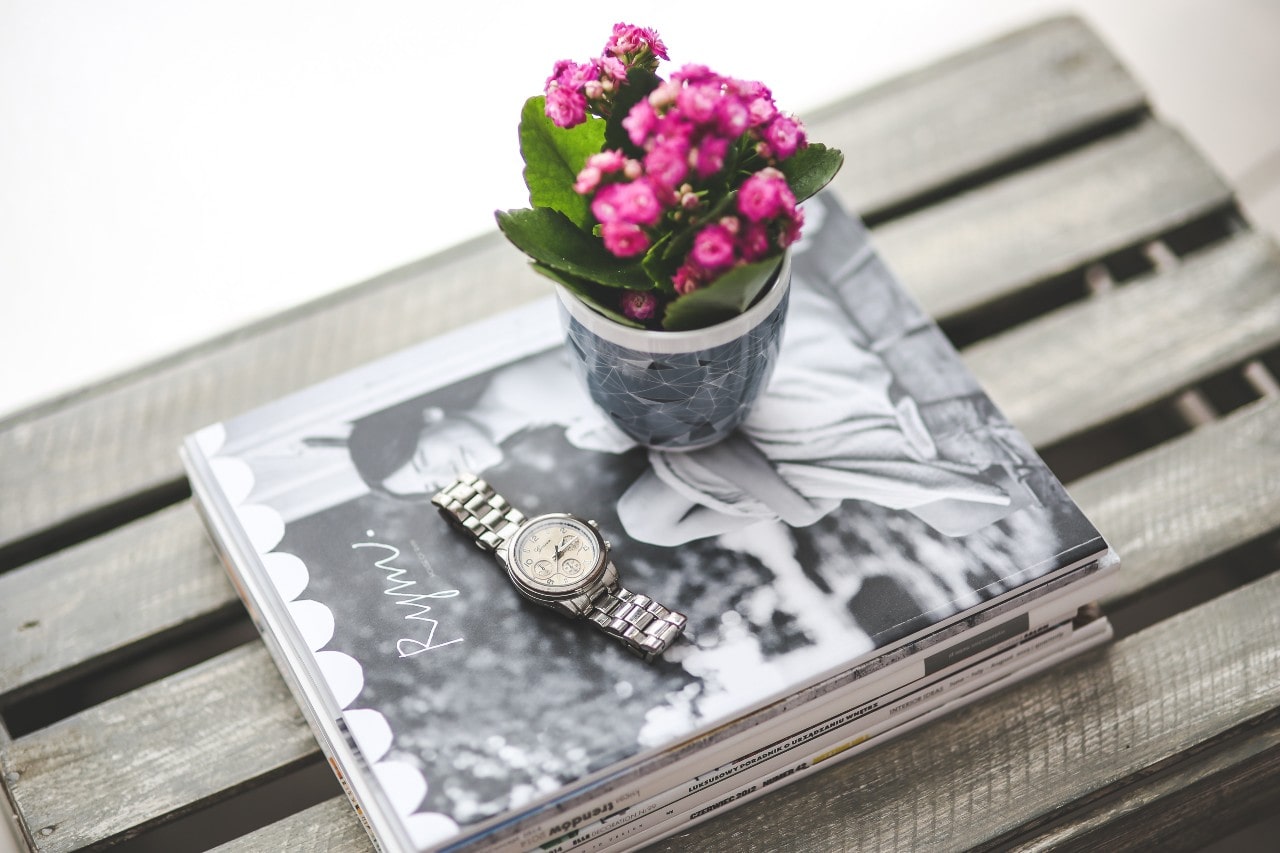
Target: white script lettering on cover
408	646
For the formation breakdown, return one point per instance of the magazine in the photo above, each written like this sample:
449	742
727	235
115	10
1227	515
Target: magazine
898	717
872	507
826	739
696	760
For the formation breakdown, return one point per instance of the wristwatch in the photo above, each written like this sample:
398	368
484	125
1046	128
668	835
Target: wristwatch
562	562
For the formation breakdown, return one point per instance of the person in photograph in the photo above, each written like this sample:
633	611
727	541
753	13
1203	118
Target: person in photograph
828	429
416	448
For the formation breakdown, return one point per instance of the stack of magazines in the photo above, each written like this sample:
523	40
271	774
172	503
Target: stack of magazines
875	547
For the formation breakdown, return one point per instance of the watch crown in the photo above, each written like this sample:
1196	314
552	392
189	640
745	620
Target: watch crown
607	545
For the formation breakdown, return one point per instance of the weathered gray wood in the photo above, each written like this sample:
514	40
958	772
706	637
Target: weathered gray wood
1113	354
1161	509
997	773
68	458
331	827
1087	364
90	601
80	453
990	243
157	752
1188	500
1201	799
1017	757
1027	89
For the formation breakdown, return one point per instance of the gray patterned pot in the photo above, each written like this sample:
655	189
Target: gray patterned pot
678	390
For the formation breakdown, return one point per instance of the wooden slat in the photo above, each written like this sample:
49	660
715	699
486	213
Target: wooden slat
1113	354
1067	372
1159	509
110	593
331	827
121	438
988	244
1052	81
1209	795
95	447
77	454
157	752
1014	758
1188	500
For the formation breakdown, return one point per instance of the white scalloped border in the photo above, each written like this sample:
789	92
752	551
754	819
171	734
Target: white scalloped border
404	784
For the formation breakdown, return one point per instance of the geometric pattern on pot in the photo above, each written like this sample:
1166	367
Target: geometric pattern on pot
677	390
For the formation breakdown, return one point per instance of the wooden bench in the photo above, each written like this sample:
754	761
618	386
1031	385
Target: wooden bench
1104	287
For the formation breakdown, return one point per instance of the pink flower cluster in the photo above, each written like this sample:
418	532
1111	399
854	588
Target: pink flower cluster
696	137
575	89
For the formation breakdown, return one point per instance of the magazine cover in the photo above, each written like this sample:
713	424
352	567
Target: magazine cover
874	496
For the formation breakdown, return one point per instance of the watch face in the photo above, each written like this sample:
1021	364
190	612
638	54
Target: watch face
556	555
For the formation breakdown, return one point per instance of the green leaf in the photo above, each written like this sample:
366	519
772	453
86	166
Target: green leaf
550	238
553	157
585	291
811	168
723	299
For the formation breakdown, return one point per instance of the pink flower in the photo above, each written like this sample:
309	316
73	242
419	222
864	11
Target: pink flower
694	73
698	102
568	74
628	39
566	107
634	203
759	102
791	230
760	196
624	239
639	304
588	180
708	157
733	117
688	278
668	163
638	203
784	135
713	248
609	160
610	69
640	122
754	242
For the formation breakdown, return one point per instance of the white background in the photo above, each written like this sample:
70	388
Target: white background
169	171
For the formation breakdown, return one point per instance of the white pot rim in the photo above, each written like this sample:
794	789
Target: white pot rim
691	340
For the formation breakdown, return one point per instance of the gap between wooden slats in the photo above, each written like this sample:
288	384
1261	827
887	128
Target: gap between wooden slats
157	752
330	827
988	245
74	457
1094	361
1095	726
1029	227
1047	87
1149	506
1208	796
1189	500
1082	366
103	596
1087	728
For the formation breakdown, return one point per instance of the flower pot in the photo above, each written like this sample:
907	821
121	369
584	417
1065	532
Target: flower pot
678	390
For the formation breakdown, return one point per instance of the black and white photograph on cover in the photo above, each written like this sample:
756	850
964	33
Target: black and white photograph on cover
873	491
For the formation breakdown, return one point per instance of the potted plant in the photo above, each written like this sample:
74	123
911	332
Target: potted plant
663	209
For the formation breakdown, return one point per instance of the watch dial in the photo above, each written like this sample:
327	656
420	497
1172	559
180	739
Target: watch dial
556	553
